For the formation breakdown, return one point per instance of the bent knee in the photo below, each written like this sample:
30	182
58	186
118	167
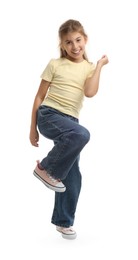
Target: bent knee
85	135
82	135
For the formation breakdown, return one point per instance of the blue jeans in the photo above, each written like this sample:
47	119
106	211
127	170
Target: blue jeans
62	162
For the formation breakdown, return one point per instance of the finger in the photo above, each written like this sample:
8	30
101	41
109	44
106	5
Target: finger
35	144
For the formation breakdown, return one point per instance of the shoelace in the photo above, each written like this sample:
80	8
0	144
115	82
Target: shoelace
51	178
69	229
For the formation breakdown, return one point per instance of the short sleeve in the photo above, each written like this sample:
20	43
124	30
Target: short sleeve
48	72
92	67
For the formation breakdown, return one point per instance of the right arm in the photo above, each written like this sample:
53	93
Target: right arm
41	93
92	84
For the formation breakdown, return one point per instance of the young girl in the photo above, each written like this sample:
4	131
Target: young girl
65	82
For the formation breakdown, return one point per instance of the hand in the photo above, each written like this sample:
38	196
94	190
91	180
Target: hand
103	61
34	137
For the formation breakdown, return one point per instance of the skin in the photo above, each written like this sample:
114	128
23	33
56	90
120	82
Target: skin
74	45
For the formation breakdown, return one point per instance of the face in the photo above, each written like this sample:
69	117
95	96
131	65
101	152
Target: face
74	44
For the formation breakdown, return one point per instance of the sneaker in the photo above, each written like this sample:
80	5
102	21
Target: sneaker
67	232
48	180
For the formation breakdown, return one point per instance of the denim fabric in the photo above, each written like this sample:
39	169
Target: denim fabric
62	162
66	202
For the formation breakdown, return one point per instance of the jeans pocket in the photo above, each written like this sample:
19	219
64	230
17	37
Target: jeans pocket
41	114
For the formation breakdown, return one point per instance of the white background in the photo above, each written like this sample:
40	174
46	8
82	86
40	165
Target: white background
107	214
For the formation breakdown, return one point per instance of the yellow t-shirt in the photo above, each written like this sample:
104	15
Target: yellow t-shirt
67	80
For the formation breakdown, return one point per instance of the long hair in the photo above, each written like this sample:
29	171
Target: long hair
67	27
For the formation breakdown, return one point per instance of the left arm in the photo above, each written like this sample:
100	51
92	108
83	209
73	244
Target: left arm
92	84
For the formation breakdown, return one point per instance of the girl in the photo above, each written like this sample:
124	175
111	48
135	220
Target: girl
65	82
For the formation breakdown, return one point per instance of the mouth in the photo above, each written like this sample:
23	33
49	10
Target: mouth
76	52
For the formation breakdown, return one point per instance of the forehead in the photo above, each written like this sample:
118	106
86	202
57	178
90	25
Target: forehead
71	36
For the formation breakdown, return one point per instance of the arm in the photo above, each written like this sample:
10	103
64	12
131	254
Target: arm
92	84
41	93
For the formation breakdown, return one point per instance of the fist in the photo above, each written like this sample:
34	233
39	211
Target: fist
104	60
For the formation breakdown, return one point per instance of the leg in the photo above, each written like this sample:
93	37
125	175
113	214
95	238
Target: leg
66	203
69	139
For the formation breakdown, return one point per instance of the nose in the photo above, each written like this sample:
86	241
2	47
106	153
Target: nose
74	45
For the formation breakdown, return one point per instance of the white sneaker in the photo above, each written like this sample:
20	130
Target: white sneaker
48	180
67	232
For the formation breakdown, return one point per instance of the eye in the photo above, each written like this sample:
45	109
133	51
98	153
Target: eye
68	42
79	39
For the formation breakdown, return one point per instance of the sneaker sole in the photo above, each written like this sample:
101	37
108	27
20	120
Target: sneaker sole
57	189
67	236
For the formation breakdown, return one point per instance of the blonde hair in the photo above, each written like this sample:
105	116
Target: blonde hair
67	27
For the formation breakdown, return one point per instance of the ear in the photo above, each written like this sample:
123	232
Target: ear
61	46
86	39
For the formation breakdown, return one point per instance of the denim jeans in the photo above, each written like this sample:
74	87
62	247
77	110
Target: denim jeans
62	162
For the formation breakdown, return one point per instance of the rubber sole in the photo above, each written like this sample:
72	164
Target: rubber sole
67	236
51	187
